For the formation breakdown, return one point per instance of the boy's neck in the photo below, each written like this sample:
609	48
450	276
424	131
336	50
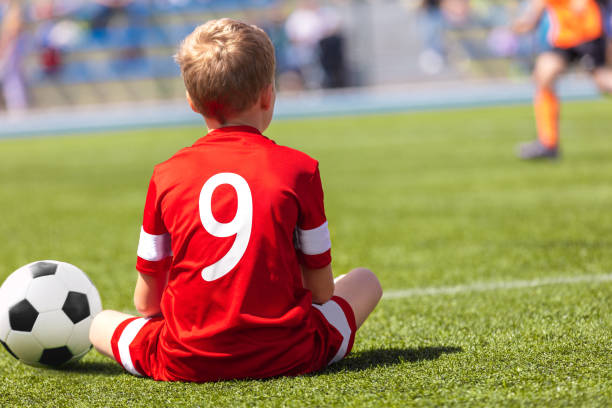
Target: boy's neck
255	118
259	115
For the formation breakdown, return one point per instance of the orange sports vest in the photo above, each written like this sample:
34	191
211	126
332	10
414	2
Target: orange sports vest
573	22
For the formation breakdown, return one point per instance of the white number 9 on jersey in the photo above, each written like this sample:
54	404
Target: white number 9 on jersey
239	226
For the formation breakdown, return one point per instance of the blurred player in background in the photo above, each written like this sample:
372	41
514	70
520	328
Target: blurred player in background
11	55
576	34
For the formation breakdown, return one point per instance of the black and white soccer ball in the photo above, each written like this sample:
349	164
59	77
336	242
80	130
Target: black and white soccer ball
46	309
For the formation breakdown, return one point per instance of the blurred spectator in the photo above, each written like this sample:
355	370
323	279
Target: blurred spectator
331	50
438	16
456	12
432	58
317	45
273	23
11	55
56	32
305	28
50	54
135	11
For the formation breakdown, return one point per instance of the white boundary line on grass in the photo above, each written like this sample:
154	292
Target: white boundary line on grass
488	286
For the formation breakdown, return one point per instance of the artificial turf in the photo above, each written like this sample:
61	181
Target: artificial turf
427	200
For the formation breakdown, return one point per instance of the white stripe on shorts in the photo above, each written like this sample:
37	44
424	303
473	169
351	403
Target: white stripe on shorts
336	317
126	338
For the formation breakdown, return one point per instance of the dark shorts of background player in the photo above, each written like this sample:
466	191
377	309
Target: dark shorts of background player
591	54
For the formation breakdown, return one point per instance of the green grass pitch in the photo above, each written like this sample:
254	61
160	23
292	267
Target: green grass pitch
507	264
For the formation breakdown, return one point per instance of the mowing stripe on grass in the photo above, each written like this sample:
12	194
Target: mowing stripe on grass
487	286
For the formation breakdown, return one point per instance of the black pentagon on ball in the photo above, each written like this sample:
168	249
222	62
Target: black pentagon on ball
9	350
55	357
22	316
76	307
43	268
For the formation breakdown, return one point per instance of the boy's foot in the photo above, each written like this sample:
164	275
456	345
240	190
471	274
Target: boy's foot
536	150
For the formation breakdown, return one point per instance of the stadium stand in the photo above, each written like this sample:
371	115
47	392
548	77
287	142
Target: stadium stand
77	56
73	60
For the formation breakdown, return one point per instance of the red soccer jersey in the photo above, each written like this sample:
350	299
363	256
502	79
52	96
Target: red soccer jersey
230	219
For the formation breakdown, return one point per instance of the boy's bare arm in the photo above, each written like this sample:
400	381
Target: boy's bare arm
148	293
320	282
530	18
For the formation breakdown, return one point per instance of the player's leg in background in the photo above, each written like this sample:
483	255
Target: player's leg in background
599	52
362	290
603	79
548	67
546	103
102	329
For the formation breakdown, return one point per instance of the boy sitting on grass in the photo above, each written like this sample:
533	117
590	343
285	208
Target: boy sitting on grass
234	261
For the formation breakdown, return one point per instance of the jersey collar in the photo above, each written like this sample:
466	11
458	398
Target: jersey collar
234	129
229	133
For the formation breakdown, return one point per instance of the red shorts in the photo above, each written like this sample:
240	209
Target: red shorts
135	340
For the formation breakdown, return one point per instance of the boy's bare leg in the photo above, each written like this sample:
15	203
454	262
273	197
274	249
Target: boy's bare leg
102	329
362	290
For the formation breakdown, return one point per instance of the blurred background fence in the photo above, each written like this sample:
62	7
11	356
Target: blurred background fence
75	52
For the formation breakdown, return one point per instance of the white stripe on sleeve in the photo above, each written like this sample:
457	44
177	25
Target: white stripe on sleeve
336	317
127	337
153	247
314	241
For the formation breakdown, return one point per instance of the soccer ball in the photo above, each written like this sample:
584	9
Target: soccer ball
46	309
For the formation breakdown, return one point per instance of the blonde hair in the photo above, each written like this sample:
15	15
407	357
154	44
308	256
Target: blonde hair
226	64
